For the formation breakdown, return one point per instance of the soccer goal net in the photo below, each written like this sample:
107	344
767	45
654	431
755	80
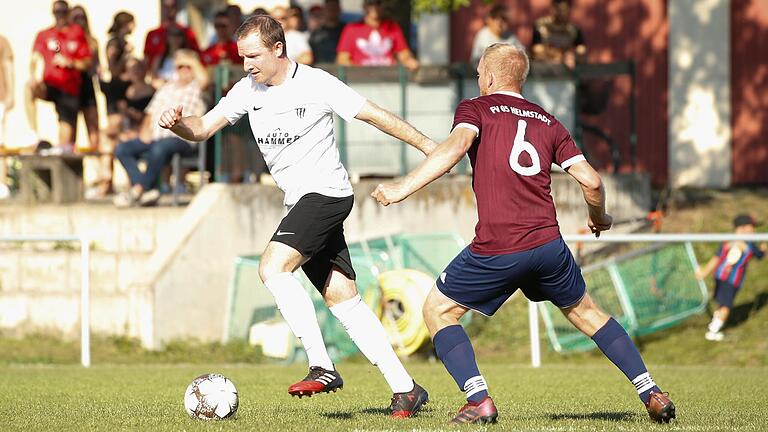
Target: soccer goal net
646	282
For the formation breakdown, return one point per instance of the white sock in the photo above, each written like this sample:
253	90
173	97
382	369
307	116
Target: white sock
368	334
716	325
298	311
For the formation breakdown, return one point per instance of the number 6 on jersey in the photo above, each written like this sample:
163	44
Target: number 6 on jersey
519	146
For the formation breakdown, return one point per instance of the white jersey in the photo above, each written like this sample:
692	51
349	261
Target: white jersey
293	127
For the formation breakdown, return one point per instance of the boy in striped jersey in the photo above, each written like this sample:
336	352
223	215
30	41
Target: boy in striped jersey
730	266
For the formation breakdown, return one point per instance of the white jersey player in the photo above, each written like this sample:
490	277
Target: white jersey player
290	108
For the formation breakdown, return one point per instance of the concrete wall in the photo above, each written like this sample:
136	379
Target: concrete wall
699	93
162	274
40	282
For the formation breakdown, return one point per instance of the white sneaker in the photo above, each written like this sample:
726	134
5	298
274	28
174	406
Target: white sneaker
126	199
149	198
714	336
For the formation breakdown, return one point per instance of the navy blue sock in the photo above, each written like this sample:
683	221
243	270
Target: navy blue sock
455	351
616	344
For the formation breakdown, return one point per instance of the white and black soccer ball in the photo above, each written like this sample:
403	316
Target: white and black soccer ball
211	397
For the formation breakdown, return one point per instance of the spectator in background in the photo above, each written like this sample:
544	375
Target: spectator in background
375	41
6	90
88	105
64	53
556	39
730	266
162	68
6	104
137	96
259	11
315	17
235	15
155	43
496	30
118	52
225	49
296	42
325	38
155	144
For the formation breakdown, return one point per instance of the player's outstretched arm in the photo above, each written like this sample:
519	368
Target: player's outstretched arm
702	272
439	162
594	194
394	126
191	128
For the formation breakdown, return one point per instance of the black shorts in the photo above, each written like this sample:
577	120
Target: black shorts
315	228
87	91
724	293
114	92
67	105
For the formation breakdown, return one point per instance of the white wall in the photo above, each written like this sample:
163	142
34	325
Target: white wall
699	93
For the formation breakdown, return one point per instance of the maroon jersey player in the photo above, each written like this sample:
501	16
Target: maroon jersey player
512	144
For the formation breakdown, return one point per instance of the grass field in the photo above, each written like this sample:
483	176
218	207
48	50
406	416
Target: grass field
716	386
553	398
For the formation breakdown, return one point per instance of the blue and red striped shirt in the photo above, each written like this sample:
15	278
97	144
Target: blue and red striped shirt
733	260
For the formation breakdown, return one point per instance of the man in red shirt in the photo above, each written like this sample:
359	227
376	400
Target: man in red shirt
154	44
225	48
375	41
64	53
511	144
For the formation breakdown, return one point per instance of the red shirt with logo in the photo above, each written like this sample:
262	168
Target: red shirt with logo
511	156
370	46
154	44
221	51
70	42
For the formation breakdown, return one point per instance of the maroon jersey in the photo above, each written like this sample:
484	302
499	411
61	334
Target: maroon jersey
516	144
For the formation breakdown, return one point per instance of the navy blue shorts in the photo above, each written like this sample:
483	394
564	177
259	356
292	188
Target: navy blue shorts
483	283
725	292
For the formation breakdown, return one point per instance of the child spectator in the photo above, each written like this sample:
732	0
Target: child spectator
730	266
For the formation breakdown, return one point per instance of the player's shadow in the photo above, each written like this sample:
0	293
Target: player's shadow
386	412
610	416
375	411
742	312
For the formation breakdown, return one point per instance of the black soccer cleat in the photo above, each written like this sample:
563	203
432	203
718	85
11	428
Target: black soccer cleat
660	408
408	404
318	380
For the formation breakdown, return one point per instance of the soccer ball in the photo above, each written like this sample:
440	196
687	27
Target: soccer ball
211	397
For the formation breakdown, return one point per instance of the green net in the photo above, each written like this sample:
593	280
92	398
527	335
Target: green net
251	303
646	291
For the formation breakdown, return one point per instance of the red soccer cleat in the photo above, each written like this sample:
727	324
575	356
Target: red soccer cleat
483	412
318	380
407	404
660	408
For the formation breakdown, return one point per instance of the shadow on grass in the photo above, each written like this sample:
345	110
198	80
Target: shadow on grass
338	415
376	411
610	416
742	312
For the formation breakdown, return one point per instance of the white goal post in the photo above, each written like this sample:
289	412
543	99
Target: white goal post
533	315
85	288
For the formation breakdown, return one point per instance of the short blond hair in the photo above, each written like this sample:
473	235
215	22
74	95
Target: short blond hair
507	62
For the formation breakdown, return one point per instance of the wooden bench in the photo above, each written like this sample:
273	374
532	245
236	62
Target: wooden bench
56	178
